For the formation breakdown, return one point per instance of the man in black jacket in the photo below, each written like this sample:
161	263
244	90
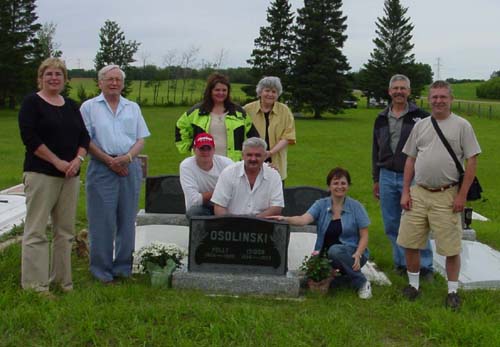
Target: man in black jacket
391	130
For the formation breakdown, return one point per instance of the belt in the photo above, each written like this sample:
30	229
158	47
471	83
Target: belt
440	189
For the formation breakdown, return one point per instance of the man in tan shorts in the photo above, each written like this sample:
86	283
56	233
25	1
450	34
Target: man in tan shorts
436	200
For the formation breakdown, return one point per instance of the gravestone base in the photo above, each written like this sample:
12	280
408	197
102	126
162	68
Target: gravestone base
226	283
469	235
145	218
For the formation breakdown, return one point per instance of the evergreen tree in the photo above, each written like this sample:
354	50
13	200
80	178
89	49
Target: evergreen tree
114	49
319	76
47	47
392	54
18	50
275	46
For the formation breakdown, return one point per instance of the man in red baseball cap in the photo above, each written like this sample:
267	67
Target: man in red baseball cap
199	174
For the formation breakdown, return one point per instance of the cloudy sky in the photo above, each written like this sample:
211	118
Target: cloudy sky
461	33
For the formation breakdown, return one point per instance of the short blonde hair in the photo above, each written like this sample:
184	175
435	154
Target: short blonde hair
54	63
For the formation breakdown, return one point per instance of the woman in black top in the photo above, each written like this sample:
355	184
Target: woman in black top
56	142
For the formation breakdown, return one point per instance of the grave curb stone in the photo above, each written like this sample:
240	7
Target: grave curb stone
226	283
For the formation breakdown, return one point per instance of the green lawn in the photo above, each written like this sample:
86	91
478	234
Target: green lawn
133	313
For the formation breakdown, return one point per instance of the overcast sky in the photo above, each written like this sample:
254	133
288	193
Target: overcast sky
461	33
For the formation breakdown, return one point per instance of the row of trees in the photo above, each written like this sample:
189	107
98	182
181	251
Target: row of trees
306	53
179	73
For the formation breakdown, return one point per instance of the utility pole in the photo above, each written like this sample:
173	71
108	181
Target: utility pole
438	69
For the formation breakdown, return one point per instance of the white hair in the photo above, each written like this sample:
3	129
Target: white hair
270	82
254	142
102	72
399	77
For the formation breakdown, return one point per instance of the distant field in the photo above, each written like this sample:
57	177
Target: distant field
464	91
193	91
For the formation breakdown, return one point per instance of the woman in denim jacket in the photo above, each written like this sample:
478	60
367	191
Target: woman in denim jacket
342	230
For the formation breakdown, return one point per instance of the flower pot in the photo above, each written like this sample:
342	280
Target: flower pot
321	286
161	279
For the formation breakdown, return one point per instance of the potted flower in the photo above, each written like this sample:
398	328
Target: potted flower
318	272
160	260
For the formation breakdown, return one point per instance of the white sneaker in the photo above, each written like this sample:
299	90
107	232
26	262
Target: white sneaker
365	292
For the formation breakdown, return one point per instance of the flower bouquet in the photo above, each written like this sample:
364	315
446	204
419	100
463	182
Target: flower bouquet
318	272
160	260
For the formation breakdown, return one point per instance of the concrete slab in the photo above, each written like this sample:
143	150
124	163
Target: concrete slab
477	216
146	234
17	189
480	266
12	211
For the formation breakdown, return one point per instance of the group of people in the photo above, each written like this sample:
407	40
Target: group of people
238	167
406	153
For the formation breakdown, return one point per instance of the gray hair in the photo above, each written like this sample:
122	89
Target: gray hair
271	82
254	142
399	77
102	72
441	84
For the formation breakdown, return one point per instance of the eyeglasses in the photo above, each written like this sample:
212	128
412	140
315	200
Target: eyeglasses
113	79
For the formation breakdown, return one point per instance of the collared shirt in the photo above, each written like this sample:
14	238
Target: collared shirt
281	127
395	124
234	193
434	166
195	180
353	218
113	133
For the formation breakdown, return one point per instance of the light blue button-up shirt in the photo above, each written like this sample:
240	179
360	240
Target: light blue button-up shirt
353	218
113	133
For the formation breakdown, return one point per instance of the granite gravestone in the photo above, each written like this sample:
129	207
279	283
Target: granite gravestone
299	199
164	195
236	244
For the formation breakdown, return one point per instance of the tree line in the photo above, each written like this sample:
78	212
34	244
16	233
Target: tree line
303	48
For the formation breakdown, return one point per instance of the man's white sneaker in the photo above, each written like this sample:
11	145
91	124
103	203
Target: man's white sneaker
365	292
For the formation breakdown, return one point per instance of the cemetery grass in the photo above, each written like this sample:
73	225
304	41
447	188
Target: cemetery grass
134	313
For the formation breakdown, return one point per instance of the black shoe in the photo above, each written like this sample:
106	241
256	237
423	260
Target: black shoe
453	301
427	275
411	293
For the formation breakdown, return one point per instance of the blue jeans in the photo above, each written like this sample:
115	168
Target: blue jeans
341	258
391	188
112	203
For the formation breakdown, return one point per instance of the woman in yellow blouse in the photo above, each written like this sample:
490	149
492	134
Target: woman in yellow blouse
274	122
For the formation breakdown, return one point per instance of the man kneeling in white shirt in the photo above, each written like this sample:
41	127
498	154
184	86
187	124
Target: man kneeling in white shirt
249	187
199	174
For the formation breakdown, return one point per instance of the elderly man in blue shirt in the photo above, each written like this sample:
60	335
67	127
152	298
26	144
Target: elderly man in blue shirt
117	130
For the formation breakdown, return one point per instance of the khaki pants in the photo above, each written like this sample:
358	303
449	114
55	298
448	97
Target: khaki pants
56	197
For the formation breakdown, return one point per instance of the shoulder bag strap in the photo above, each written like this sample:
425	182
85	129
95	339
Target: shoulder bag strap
447	145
